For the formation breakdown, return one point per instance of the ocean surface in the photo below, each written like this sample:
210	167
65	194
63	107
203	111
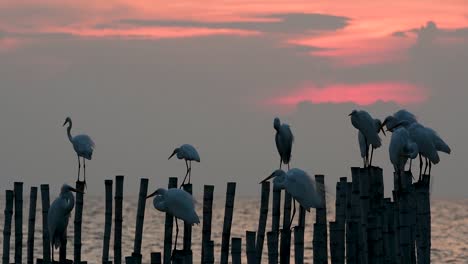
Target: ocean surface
449	229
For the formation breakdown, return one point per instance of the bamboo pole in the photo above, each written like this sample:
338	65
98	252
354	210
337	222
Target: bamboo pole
286	231
155	258
207	217
334	237
188	233
396	226
276	211
31	224
119	181
78	221
108	221
374	240
272	241
45	227
18	191
228	211
250	244
364	204
351	226
404	218
388	233
340	219
423	220
299	245
168	226
209	253
140	219
319	243
262	220
9	195
236	249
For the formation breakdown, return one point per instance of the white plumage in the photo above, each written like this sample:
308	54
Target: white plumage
399	116
188	153
401	148
284	140
365	146
364	122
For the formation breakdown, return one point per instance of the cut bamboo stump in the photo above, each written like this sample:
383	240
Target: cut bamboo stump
388	232
108	222
78	221
340	219
18	191
285	246
208	258
31	224
404	218
364	186
319	243
423	220
168	226
155	258
188	233
236	249
228	212
374	240
9	196
262	220
250	247
275	218
334	237
351	226
299	245
272	242
45	227
136	254
119	180
207	217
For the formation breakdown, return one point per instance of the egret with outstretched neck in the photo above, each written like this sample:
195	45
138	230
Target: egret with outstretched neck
188	153
284	140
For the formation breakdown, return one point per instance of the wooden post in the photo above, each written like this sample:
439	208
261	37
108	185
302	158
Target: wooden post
404	218
119	181
9	194
78	221
351	226
155	258
364	185
207	217
236	249
168	226
250	244
188	233
45	226
262	220
285	246
299	245
423	220
334	237
320	244
140	219
18	191
388	233
276	211
272	241
340	219
396	226
228	211
374	240
108	221
31	224
209	253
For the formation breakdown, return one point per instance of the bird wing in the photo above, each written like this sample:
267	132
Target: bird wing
399	139
404	114
284	140
366	124
423	138
57	222
302	188
189	152
439	143
84	145
181	205
362	144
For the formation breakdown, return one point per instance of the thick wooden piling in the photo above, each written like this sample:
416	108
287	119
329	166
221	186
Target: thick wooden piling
396	226
188	234
265	198
140	219
272	242
236	250
45	227
208	258
364	185
119	181
276	209
207	217
9	196
374	240
320	244
168	226
299	245
78	221
31	224
404	218
155	258
340	219
228	212
334	237
285	245
18	190
108	221
423	217
388	232
351	226
250	247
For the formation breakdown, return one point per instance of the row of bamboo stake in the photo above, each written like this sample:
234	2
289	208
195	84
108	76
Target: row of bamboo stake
368	228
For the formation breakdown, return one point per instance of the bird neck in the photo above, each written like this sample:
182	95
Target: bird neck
69	130
70	201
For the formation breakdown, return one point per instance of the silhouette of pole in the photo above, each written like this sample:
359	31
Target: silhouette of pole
285	246
140	219
228	212
45	226
262	220
272	241
31	224
18	189
207	216
119	181
250	247
108	221
188	233
236	249
78	221
9	196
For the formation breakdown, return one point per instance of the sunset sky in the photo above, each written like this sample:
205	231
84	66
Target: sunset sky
142	77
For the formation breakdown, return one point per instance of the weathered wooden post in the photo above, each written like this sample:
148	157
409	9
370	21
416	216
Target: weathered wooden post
404	218
285	245
299	244
188	233
168	226
78	221
423	220
228	211
9	194
320	243
396	225
388	232
250	247
236	249
207	217
340	219
31	224
374	240
272	241
108	222
262	220
351	225
140	220
364	185
334	237
275	218
18	190
155	258
45	227
209	253
119	181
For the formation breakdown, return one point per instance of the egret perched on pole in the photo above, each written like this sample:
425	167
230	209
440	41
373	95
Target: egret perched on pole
300	185
364	146
364	122
178	203
58	216
188	153
284	140
399	116
401	148
83	146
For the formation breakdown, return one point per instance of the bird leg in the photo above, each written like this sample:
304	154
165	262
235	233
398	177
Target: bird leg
425	167
190	171
79	167
294	213
410	163
186	174
371	155
281	162
175	242
288	166
430	167
367	152
420	167
84	172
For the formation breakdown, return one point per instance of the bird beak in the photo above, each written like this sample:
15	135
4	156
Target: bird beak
173	153
267	178
75	190
151	195
64	123
383	131
350	114
382	125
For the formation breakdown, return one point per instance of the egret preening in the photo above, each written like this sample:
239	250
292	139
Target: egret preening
364	146
364	122
188	153
399	116
178	203
59	213
401	148
300	185
83	146
284	140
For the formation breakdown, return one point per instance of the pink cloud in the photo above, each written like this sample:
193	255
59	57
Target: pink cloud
361	94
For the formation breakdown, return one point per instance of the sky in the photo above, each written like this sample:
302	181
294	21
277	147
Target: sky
142	77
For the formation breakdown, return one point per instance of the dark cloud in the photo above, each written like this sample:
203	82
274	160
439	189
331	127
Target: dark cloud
399	34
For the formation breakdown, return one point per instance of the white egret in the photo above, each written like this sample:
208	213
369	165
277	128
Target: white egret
284	140
178	203
300	185
401	148
188	153
59	213
364	146
83	146
364	122
399	116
